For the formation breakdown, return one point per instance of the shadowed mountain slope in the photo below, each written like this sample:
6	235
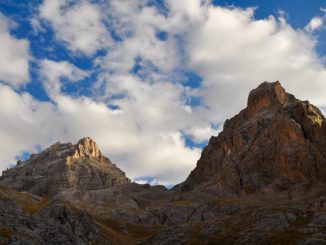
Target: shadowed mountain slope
260	181
276	142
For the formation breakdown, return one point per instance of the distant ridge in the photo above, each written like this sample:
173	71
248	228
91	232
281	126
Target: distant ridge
63	167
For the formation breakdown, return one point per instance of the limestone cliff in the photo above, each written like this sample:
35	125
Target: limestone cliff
276	142
64	167
260	181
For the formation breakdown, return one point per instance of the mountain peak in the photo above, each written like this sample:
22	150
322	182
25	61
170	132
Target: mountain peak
86	147
64	166
267	95
85	140
278	141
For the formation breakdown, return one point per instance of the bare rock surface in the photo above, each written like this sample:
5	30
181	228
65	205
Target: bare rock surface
260	181
25	219
275	143
64	167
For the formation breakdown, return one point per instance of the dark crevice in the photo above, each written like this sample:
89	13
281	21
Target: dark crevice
192	213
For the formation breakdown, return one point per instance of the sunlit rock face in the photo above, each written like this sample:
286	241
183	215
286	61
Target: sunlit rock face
260	181
276	142
64	167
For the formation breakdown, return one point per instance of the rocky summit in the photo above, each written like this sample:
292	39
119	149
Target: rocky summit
62	168
277	142
260	181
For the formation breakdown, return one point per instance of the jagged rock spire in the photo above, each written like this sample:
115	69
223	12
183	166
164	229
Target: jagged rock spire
64	167
85	148
268	95
276	141
88	148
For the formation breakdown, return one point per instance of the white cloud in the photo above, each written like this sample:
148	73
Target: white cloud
142	137
234	52
52	72
201	134
25	124
130	136
137	25
315	24
14	56
77	24
228	47
36	25
194	10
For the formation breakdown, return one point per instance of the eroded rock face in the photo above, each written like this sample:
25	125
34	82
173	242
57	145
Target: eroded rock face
64	167
273	149
274	143
28	219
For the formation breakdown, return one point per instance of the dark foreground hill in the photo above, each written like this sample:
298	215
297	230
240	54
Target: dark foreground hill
260	181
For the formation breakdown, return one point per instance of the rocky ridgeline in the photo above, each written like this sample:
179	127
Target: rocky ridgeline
260	181
277	142
64	167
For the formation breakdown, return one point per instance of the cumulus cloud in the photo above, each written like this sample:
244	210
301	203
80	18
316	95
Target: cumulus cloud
52	72
140	138
78	24
141	110
234	52
228	47
137	25
315	24
24	125
14	56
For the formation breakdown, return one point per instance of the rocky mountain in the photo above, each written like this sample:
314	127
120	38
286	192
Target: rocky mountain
64	168
260	181
30	219
277	142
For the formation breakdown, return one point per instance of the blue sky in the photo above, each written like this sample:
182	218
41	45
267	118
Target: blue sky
149	80
297	13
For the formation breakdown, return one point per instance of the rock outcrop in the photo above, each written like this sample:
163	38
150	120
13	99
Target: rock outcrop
260	181
62	168
276	142
28	219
